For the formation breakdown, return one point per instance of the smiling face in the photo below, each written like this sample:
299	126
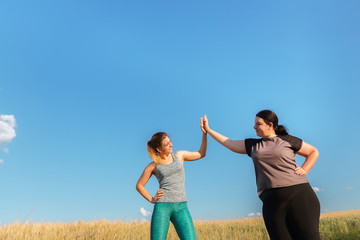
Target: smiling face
166	146
263	129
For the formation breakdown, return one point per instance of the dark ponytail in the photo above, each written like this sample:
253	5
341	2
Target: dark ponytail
281	130
270	117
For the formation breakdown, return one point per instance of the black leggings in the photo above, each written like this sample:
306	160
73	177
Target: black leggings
291	212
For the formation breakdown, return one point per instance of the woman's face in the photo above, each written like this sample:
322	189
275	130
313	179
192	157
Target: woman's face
262	128
166	146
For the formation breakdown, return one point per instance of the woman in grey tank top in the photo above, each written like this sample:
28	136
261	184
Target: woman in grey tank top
170	200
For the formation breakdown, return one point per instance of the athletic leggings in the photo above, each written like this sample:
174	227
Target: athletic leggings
178	214
291	212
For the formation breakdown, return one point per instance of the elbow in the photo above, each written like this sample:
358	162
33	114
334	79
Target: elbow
314	155
316	152
138	187
202	154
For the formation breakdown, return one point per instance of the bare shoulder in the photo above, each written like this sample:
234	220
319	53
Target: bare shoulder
180	154
150	167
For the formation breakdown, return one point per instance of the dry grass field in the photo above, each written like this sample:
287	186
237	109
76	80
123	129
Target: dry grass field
333	226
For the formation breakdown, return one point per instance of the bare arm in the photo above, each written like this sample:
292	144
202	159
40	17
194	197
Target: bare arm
311	154
237	146
192	156
144	178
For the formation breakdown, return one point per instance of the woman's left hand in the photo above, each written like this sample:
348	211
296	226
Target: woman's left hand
300	171
202	125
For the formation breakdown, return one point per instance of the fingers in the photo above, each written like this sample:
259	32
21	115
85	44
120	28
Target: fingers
159	194
205	120
205	123
202	125
300	171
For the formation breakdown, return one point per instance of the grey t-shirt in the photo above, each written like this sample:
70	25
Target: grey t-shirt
171	178
274	161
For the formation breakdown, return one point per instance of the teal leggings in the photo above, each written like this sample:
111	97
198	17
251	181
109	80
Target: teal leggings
178	214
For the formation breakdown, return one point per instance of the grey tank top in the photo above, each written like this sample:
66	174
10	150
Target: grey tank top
171	178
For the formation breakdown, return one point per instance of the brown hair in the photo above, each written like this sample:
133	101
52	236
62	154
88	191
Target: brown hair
154	143
270	117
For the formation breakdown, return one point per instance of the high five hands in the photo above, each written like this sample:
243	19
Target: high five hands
204	124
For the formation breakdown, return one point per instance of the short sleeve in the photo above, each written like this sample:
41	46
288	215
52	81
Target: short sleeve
295	142
249	143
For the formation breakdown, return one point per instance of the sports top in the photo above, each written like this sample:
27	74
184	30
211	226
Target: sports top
171	178
274	161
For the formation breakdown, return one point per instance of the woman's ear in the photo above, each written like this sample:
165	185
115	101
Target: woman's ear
158	150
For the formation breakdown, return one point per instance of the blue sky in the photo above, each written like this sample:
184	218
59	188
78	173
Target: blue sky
89	82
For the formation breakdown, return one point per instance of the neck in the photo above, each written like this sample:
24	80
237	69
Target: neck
165	158
270	135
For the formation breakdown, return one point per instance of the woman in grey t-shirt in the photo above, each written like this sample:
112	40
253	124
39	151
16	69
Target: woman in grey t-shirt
291	209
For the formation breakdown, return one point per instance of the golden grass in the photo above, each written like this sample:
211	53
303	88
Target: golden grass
337	225
341	214
340	225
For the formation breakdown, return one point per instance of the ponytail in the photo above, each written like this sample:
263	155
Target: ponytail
155	143
154	155
280	130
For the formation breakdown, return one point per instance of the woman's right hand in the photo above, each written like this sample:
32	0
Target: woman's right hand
205	123
159	194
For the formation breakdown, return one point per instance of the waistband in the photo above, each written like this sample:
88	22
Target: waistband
171	203
270	191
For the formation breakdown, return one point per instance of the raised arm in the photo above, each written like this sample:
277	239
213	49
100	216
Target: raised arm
144	178
237	146
311	154
192	156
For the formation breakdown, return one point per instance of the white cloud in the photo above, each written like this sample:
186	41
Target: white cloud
254	214
7	130
349	188
316	189
1	161
10	119
144	213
